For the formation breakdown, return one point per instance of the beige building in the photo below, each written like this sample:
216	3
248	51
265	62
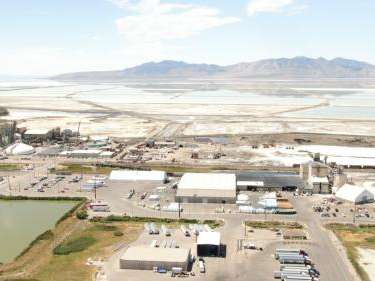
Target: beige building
320	185
147	258
207	188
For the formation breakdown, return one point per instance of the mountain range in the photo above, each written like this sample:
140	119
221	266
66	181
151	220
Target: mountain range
282	68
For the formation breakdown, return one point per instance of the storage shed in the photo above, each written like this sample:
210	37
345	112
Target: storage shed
146	258
208	244
135	175
207	188
355	194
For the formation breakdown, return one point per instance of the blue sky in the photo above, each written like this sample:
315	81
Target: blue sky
43	37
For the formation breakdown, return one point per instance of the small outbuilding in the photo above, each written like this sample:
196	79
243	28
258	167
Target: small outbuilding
355	194
209	244
135	175
147	258
207	188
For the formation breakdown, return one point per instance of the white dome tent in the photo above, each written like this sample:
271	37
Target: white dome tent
19	148
355	194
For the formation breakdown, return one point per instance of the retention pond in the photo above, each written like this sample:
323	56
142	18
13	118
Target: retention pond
21	221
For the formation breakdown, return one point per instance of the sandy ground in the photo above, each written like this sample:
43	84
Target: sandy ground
367	261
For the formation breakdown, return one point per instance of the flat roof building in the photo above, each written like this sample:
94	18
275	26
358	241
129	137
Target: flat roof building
135	175
268	181
209	244
82	153
207	188
146	258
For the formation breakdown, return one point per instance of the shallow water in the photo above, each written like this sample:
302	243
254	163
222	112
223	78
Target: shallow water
21	221
336	112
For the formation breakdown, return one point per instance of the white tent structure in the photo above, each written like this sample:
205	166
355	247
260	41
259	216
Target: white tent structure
19	148
354	194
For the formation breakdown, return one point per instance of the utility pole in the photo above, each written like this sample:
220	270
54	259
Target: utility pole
179	208
9	187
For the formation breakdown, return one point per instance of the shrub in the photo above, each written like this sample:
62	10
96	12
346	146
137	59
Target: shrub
82	215
104	227
118	233
76	245
370	240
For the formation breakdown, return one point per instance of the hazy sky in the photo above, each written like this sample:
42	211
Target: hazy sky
42	37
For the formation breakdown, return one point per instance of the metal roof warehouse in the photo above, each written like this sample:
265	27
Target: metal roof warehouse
146	258
207	188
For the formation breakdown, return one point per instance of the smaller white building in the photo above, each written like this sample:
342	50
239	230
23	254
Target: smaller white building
355	194
135	175
209	243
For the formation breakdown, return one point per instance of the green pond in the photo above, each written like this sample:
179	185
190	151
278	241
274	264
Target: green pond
21	221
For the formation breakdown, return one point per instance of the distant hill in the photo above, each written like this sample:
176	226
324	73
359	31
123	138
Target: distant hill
298	67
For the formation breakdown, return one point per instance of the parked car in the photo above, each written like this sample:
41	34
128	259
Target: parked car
202	267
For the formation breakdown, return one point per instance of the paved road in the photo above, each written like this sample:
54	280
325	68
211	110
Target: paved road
330	262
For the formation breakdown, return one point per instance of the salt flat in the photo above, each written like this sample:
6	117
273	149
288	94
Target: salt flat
136	110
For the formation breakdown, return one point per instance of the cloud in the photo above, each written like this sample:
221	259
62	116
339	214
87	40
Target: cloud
44	60
274	6
154	25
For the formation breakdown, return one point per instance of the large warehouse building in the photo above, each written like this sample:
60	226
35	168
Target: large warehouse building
207	188
135	175
268	181
146	258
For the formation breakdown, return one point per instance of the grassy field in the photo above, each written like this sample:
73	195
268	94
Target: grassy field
353	237
66	259
9	167
84	169
273	225
172	222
